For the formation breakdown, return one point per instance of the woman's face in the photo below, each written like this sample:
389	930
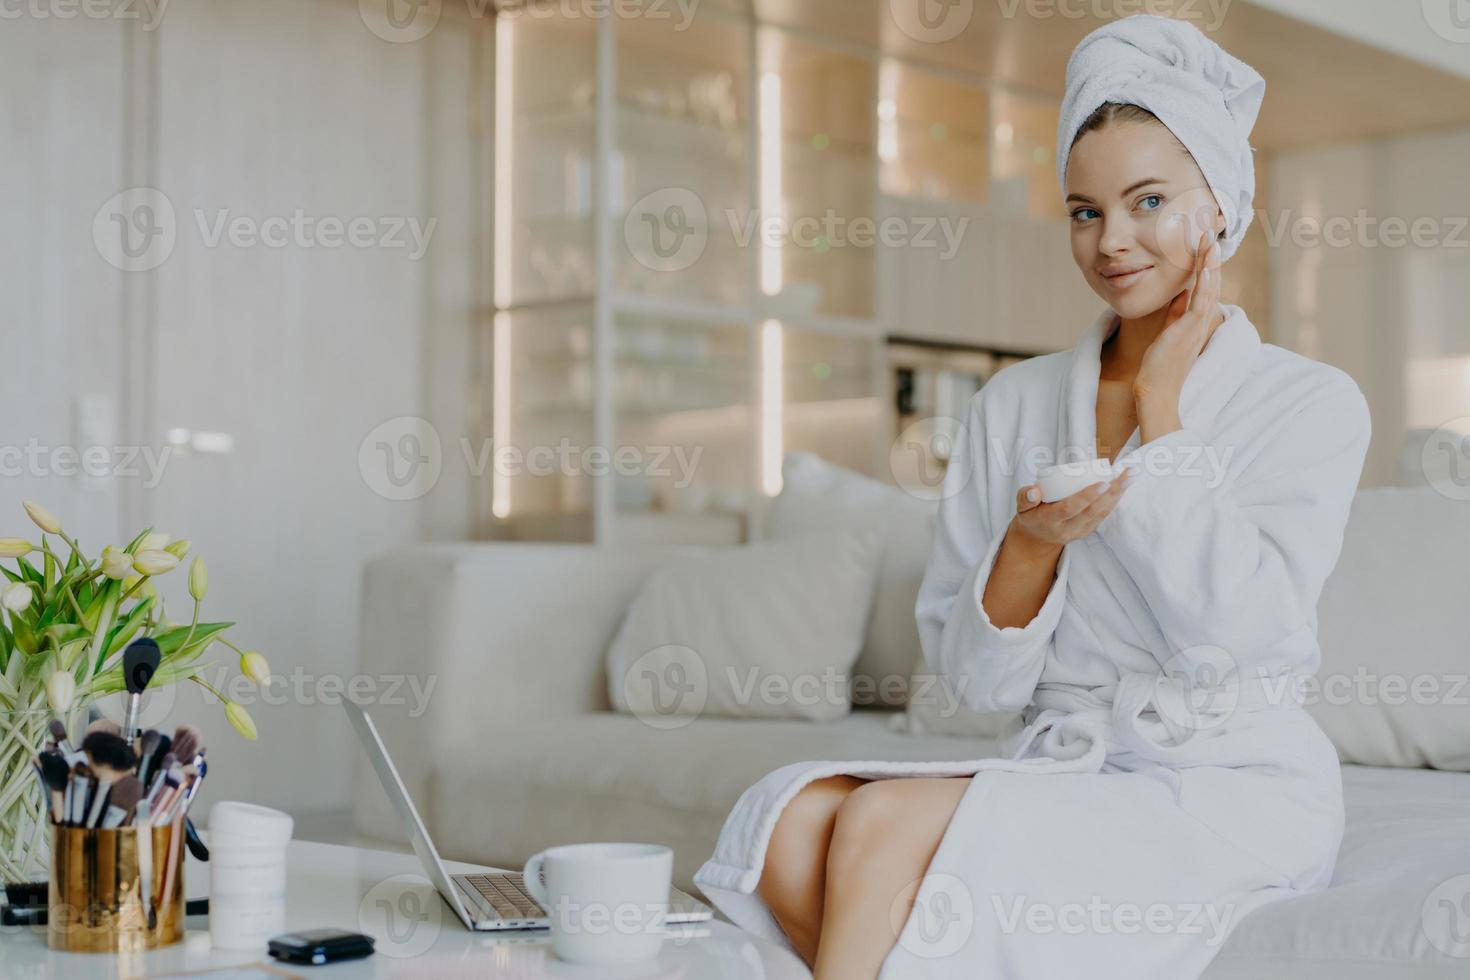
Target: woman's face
1137	201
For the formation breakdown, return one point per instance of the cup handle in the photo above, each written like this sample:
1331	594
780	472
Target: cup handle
531	879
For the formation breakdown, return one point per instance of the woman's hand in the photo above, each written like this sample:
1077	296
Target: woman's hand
1049	526
1188	324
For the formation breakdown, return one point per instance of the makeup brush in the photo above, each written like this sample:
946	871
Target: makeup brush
187	744
103	725
111	760
143	820
125	794
140	663
59	736
58	778
163	800
81	781
147	747
163	772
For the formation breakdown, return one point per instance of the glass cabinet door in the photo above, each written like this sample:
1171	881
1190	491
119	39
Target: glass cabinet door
819	177
545	80
681	168
683	419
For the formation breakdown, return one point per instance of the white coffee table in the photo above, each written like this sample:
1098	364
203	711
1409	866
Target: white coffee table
387	896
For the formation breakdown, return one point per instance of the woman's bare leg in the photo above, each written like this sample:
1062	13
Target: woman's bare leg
793	880
884	837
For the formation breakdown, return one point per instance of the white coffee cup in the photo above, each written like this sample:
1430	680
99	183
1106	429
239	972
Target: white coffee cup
607	902
1065	479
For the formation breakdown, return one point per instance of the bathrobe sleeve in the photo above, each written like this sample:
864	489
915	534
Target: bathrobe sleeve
993	669
1239	563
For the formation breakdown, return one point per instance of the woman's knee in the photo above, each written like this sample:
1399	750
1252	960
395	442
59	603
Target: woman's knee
806	822
869	817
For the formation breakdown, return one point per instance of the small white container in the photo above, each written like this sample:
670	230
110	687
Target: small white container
1064	479
247	874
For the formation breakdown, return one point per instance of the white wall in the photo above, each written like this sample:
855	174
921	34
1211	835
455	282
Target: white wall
297	353
1436	32
1391	313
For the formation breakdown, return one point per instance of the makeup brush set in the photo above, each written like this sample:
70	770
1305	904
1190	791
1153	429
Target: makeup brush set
119	778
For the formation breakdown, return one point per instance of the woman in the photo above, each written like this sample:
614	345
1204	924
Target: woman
1154	631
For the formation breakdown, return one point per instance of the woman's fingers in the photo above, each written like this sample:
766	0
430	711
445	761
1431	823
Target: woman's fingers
1103	498
1028	498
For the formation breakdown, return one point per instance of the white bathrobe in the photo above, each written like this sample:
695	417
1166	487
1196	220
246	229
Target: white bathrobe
1167	780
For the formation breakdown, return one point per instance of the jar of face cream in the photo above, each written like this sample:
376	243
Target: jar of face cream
1065	479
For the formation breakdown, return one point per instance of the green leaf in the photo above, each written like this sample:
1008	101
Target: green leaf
132	547
26	640
169	641
72	562
110	681
34	666
92	610
64	633
31	575
120	634
48	562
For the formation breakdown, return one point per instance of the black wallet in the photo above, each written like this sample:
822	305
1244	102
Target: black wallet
317	946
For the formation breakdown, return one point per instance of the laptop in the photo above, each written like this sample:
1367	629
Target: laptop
488	902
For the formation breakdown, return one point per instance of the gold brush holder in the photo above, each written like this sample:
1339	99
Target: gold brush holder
96	896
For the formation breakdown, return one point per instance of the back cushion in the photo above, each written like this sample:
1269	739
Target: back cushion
816	494
1394	624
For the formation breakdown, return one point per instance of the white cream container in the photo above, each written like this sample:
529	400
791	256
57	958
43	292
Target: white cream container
1064	479
247	874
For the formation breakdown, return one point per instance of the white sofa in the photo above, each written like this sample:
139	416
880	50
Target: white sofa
518	749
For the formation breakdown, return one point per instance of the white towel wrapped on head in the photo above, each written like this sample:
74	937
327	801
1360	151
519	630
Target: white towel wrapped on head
1206	97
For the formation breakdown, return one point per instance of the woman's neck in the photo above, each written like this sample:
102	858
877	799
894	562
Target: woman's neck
1122	353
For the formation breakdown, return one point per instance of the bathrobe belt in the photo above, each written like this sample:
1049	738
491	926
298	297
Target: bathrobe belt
1155	717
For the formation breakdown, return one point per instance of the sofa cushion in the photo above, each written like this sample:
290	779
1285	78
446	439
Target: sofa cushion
814	493
1394	625
764	630
1399	898
610	777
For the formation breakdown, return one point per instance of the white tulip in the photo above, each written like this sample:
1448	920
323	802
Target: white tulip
61	688
15	547
116	564
16	597
45	520
154	562
155	541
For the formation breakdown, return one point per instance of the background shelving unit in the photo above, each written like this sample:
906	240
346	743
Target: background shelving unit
621	139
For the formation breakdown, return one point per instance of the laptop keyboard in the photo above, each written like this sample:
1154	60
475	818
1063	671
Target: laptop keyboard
506	895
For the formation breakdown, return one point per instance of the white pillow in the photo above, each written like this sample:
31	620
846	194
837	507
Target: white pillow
1394	625
816	494
764	630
